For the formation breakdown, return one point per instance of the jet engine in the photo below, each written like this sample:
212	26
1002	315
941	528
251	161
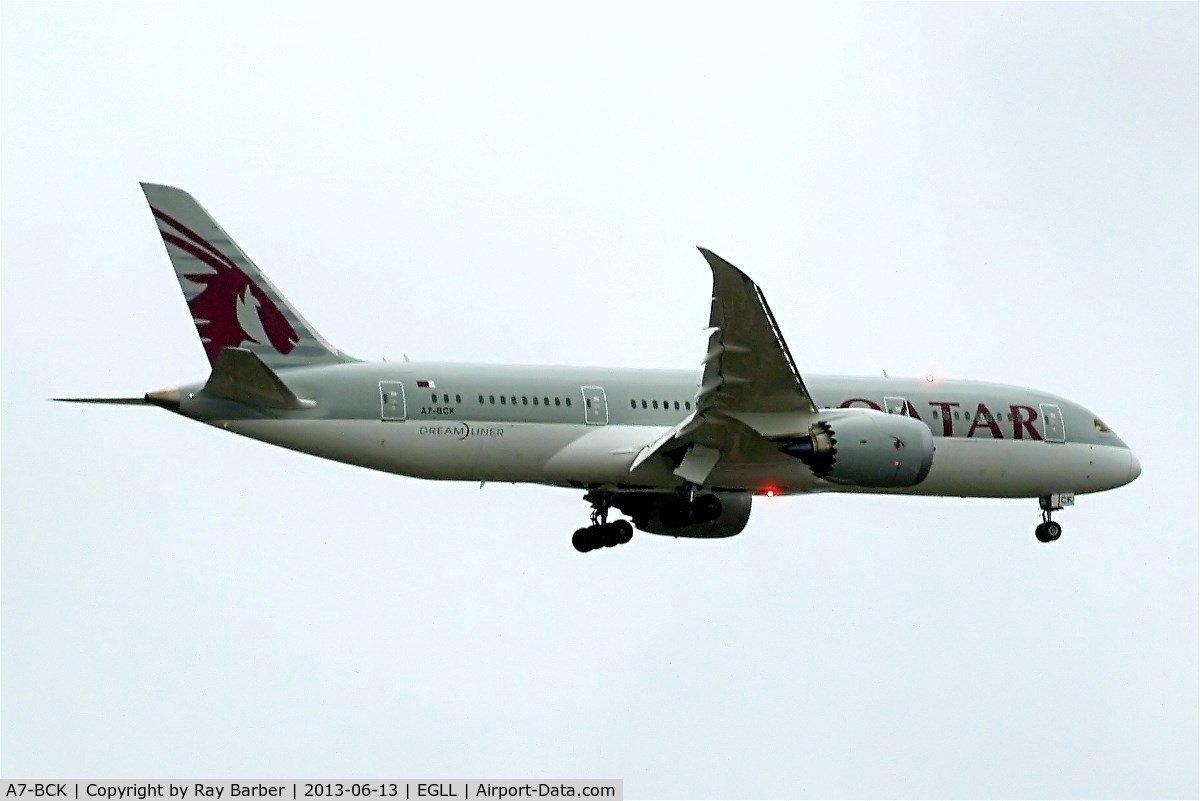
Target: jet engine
865	448
713	514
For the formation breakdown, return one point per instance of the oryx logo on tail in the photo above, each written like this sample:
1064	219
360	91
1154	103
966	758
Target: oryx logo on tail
232	302
229	308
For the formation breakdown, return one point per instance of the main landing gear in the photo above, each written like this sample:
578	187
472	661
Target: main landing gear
601	533
1048	530
690	508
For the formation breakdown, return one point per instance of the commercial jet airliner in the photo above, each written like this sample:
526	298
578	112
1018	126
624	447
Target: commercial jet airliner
678	452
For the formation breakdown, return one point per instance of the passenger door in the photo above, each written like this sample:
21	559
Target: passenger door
895	405
595	406
1052	422
391	400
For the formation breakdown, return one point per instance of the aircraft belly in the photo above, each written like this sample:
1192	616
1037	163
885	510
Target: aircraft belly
587	455
604	454
462	450
473	451
1006	469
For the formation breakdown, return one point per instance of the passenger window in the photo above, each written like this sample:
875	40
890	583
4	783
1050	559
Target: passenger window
524	400
457	398
492	399
687	405
545	401
501	400
558	402
676	405
480	400
535	403
956	414
568	400
654	404
632	404
587	402
643	404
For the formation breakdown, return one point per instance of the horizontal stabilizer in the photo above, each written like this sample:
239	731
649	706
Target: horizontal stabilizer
240	375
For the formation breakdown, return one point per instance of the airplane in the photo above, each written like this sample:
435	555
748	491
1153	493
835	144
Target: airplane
680	453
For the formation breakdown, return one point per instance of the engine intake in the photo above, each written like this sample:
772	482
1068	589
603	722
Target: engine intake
866	448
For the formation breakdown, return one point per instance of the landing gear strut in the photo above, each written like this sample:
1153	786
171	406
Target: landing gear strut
690	508
601	533
1048	530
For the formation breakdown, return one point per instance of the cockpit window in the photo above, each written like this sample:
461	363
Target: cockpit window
1100	426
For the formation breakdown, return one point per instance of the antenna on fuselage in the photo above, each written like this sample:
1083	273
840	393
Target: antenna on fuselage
885	375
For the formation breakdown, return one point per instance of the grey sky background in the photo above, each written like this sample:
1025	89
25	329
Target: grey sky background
1002	192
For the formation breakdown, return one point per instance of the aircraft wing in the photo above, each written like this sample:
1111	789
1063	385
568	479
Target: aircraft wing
748	367
749	380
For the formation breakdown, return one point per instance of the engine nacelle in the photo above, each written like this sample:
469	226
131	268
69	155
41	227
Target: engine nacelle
657	513
865	448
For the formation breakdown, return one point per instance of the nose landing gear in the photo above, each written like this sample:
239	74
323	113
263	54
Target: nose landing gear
1048	530
601	533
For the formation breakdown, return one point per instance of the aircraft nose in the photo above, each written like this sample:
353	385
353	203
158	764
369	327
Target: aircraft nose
1135	467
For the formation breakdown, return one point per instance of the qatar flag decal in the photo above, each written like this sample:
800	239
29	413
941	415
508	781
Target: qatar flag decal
423	384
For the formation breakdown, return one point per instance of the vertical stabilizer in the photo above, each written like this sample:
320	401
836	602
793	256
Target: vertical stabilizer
232	303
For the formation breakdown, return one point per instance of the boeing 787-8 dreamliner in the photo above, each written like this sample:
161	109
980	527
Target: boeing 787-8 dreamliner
679	452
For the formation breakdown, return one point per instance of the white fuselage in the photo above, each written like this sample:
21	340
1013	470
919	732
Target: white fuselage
990	440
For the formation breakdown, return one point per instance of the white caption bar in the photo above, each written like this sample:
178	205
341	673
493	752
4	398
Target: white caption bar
459	789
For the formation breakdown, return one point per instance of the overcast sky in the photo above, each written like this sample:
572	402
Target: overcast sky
1000	192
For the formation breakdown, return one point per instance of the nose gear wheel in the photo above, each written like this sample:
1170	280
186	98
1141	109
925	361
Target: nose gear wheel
1047	530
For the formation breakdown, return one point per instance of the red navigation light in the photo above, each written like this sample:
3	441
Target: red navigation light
770	492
